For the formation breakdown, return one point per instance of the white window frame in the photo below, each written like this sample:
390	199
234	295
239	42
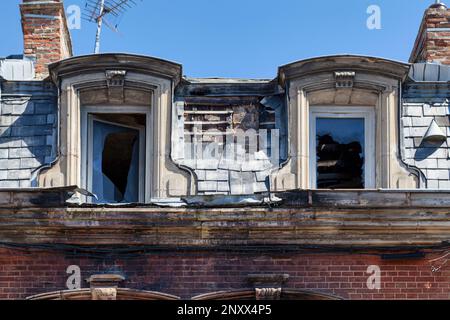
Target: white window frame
87	117
368	114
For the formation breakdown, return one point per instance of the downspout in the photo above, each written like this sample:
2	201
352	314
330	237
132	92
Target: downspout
288	131
1	84
415	170
35	174
192	185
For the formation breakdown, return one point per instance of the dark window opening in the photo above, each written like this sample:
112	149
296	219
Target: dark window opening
116	167
340	153
118	152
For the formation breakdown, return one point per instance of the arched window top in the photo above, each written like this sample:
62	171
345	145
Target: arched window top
251	294
86	294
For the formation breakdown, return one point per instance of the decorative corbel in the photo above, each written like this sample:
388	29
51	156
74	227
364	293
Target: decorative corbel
268	293
115	80
104	286
268	286
344	79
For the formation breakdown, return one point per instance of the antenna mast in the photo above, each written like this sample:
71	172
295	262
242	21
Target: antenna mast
99	26
439	4
97	11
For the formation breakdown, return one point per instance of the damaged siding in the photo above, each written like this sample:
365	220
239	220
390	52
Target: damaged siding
425	100
228	138
27	130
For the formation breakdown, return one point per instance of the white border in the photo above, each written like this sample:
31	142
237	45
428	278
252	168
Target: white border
368	113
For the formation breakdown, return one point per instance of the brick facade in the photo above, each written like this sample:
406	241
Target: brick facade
25	273
203	227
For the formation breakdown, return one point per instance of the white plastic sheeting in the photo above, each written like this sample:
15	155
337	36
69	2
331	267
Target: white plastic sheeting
430	72
16	69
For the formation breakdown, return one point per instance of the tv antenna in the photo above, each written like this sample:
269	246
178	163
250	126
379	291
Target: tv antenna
439	4
109	12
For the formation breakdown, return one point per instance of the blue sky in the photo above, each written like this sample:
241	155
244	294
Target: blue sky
242	38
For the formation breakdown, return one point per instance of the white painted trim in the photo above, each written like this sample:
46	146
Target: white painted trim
144	154
368	113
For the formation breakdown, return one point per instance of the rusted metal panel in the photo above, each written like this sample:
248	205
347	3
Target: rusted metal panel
35	198
226	88
366	198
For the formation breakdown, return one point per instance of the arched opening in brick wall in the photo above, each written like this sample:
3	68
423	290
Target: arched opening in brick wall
87	294
130	294
266	294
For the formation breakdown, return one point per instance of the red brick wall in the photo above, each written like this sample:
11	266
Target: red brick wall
46	39
433	43
27	273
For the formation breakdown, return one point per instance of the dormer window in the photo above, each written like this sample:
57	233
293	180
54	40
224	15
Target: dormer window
344	128
114	140
342	140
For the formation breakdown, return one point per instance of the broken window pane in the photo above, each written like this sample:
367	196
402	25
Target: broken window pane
115	155
340	153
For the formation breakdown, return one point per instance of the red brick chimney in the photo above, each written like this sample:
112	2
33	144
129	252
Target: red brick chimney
433	42
45	33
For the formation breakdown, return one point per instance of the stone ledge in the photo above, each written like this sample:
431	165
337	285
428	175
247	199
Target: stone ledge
307	218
